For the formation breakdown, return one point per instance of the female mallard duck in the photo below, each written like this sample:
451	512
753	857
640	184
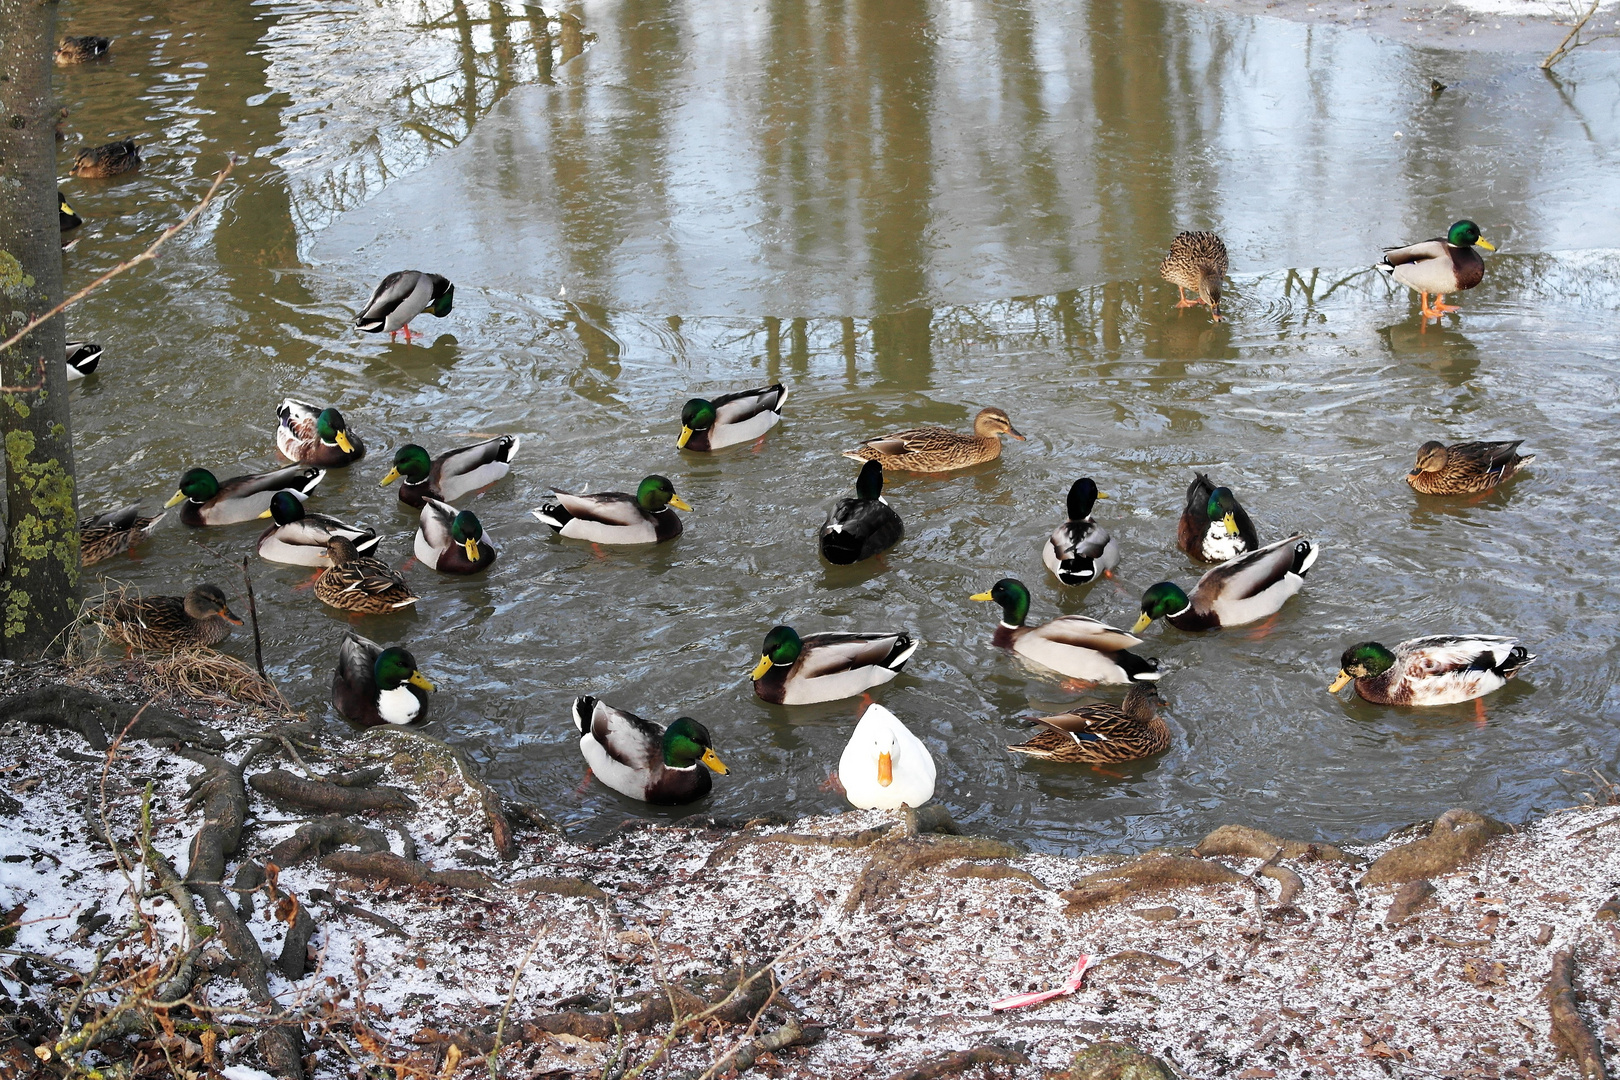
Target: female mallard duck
114	159
1080	549
861	527
449	540
1197	261
1446	264
82	359
636	757
167	623
1465	468
314	436
932	450
1214	528
1072	645
826	667
114	533
454	473
1103	733
1439	670
300	538
731	418
885	766
614	517
357	582
66	216
374	686
1243	590
241	498
81	50
402	296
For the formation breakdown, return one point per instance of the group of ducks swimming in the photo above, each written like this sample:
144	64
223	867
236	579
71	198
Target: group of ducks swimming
884	765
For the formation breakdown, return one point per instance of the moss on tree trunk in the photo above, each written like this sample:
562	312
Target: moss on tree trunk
39	586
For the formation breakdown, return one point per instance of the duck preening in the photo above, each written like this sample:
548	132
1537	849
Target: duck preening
113	533
402	296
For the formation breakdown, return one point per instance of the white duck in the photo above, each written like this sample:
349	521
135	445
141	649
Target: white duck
885	766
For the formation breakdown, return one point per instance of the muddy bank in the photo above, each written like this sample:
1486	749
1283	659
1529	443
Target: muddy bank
406	917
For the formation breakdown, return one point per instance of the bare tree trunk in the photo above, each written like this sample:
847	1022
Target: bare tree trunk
39	585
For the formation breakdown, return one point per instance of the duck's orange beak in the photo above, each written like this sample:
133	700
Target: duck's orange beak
885	770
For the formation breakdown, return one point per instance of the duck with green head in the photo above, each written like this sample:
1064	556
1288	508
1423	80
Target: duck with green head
452	541
373	686
1242	590
311	435
454	474
616	517
1072	645
210	501
731	418
1080	549
635	757
1442	669
826	667
1213	527
300	538
402	296
1446	264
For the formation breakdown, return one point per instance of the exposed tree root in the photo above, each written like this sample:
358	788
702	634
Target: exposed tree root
294	959
961	1061
894	861
559	886
327	797
1456	837
1147	874
99	719
386	866
323	835
387	925
996	872
1408	898
1569	1032
1258	844
652	1009
727	851
1289	884
791	1033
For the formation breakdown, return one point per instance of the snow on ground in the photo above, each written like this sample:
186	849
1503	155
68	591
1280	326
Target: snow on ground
1214	979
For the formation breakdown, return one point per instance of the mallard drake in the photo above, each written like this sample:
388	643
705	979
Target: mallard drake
861	527
1213	527
113	533
1439	670
636	757
66	216
402	296
826	667
1080	549
81	50
449	540
300	538
731	418
614	517
357	582
1242	590
1465	468
454	474
1072	645
374	686
1103	733
241	498
1197	261
884	766
82	358
314	436
932	450
114	159
167	623
1446	264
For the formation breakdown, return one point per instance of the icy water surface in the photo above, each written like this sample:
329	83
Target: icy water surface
906	211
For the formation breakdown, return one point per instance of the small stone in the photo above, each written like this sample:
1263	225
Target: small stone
1157	914
1544	934
1408	898
1610	909
1115	1061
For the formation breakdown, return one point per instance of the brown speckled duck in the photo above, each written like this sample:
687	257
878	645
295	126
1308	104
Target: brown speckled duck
1103	733
1465	468
933	449
167	623
114	159
1197	261
113	533
357	582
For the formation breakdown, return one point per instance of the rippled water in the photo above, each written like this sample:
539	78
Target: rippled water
906	211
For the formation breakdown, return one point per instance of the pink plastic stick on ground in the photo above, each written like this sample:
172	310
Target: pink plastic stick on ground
1070	985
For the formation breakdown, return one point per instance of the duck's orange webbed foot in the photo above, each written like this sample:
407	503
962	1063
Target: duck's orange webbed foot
1184	302
1078	686
585	783
833	783
1440	307
1479	712
1261	632
1104	770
